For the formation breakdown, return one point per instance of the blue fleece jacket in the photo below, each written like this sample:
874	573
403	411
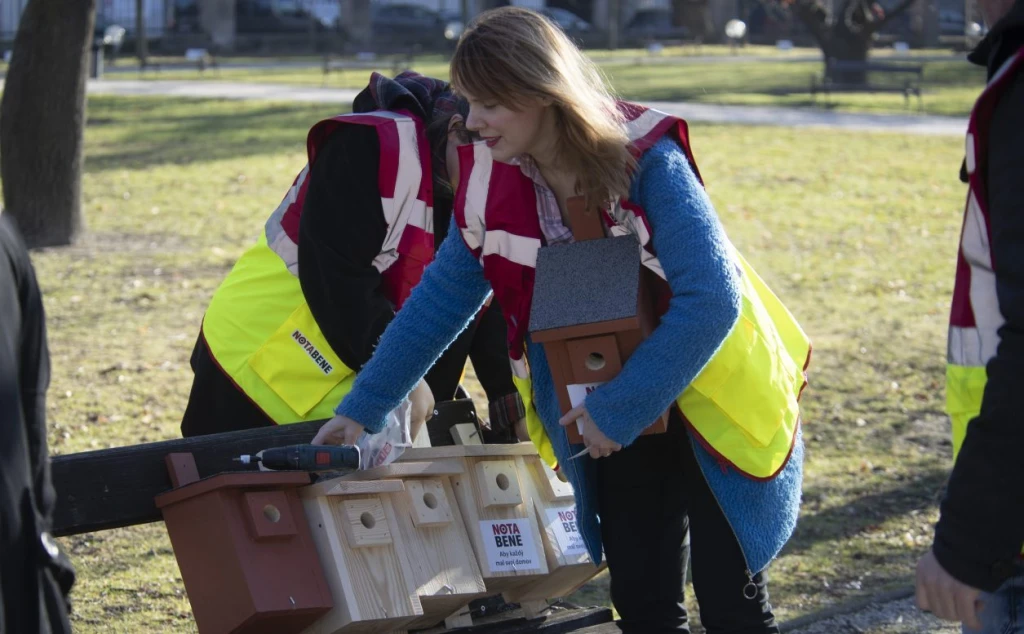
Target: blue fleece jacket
704	306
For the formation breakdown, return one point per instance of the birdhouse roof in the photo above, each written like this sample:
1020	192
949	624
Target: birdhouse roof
586	283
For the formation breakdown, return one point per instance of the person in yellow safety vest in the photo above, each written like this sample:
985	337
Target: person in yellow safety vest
301	310
727	357
974	572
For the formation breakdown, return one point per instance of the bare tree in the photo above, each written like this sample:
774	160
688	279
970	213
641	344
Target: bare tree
848	33
42	116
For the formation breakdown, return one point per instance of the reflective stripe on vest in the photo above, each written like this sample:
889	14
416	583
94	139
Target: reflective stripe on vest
258	327
406	190
743	406
975	317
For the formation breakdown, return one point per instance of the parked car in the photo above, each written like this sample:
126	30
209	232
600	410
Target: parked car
275	16
951	22
185	17
652	25
572	24
408	26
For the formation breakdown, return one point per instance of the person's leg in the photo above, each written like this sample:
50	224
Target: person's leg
444	376
643	527
489	354
731	601
1002	611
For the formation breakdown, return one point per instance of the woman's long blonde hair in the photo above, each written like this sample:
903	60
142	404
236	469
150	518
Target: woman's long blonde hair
517	57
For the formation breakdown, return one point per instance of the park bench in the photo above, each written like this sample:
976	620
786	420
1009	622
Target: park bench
112	488
396	61
203	58
199	58
834	78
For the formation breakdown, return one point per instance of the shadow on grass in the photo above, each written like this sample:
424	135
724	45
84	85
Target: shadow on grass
865	510
137	133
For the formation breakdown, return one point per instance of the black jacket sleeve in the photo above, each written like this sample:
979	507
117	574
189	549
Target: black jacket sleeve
341	231
980	532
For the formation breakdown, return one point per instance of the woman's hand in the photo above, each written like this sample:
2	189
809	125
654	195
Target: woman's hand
422	400
600	446
340	430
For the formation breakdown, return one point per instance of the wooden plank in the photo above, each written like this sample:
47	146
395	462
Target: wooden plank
557	622
409	470
466	434
109	488
252	479
467	451
337	486
461	618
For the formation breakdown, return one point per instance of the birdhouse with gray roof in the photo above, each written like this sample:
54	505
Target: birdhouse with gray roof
592	306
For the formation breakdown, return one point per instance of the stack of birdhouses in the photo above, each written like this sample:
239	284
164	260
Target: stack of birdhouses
404	546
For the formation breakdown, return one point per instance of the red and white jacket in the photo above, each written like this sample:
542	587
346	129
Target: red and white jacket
975	317
488	210
406	189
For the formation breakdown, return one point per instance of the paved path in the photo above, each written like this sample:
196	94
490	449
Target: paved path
747	115
622	57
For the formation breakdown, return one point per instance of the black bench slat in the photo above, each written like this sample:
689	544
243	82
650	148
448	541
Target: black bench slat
111	488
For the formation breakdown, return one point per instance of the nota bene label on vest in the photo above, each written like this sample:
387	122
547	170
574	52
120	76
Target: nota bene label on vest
313	353
509	545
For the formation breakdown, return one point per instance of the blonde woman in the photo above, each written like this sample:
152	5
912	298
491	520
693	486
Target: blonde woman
727	358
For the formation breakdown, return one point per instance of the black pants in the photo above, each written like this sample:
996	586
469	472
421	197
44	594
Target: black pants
652	498
484	343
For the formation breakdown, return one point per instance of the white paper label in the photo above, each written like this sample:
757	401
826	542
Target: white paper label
509	545
562	522
577	394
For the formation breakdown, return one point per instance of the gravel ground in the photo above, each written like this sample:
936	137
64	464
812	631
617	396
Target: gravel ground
894	617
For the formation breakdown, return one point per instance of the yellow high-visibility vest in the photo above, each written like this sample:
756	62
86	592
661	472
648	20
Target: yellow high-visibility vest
258	327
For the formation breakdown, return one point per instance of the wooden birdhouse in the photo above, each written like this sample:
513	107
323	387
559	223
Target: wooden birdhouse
569	564
244	550
430	531
362	548
497	510
591	308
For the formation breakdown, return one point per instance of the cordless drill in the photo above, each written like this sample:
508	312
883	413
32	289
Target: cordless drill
306	458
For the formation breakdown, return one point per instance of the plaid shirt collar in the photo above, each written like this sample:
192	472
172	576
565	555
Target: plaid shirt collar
551	225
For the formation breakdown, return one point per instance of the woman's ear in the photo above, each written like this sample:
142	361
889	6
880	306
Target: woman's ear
456	121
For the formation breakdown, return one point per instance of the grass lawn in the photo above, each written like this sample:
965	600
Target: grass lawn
777	78
856	232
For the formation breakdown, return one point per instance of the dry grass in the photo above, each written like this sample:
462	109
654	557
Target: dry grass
855	231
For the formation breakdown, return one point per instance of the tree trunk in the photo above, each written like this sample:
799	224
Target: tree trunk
141	44
614	23
42	117
848	46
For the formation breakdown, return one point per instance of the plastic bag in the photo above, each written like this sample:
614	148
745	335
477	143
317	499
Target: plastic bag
386	446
